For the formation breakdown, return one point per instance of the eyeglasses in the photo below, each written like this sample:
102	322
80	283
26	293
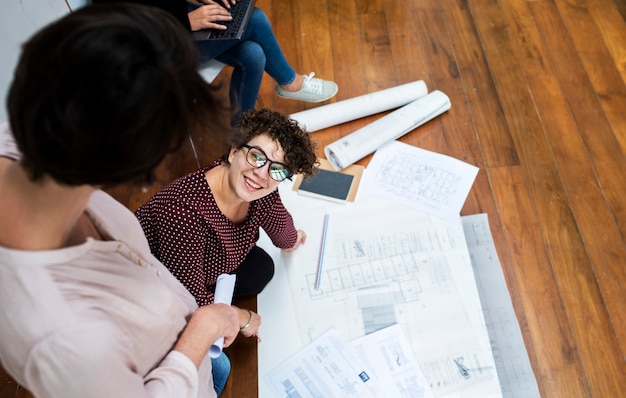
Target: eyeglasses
257	158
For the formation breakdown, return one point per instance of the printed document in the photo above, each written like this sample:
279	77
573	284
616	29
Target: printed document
427	181
324	368
389	356
511	358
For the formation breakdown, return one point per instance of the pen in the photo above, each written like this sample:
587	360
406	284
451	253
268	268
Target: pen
320	260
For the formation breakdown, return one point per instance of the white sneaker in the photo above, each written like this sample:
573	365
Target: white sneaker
313	90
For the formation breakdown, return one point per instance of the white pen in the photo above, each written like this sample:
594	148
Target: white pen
320	260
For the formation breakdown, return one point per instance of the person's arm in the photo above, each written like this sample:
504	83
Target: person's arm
278	223
299	240
249	322
88	359
206	16
207	324
226	3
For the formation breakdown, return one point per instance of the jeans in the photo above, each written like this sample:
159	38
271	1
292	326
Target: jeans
221	369
257	51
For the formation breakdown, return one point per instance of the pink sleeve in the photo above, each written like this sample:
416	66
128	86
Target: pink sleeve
110	372
8	147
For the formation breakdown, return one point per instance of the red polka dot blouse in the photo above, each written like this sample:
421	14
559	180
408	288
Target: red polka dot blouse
197	242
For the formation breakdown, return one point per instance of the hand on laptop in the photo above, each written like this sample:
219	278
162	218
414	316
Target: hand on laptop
208	15
227	3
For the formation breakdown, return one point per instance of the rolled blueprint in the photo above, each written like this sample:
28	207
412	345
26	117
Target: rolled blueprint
355	108
224	288
362	142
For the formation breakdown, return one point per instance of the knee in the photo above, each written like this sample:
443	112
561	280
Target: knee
263	273
254	273
252	57
257	55
221	371
258	19
222	365
266	273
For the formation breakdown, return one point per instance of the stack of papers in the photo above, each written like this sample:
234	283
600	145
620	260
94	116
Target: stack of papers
400	257
380	364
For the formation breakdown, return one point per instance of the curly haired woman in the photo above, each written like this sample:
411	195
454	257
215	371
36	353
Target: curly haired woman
207	223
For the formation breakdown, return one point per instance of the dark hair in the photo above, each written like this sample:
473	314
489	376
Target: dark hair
296	143
100	96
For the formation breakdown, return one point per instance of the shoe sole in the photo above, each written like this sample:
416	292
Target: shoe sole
306	100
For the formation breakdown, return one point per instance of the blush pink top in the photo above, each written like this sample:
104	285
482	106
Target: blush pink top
98	319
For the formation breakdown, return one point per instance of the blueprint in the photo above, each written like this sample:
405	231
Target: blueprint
438	280
360	143
387	265
427	181
396	258
335	113
512	363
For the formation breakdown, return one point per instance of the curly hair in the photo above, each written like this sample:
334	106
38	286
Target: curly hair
296	143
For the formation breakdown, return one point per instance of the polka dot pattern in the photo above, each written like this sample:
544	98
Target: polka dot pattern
197	242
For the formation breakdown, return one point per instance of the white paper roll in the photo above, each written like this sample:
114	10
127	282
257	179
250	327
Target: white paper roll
224	288
342	153
355	108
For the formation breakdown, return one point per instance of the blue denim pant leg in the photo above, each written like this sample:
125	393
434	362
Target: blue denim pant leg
257	51
260	31
248	61
221	370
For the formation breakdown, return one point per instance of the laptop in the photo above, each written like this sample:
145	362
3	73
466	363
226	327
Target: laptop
236	27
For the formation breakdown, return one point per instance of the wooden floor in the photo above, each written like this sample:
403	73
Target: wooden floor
539	105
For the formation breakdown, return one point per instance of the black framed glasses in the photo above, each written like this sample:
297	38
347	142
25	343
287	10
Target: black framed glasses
256	157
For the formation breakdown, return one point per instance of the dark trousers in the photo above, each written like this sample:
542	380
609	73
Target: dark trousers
254	273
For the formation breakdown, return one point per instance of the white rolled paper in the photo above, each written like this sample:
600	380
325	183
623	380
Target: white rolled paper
224	288
355	108
355	146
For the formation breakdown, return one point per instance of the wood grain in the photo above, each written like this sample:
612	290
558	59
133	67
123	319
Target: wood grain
538	104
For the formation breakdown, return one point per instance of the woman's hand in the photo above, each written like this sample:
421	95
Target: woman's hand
206	325
249	322
205	16
299	240
227	3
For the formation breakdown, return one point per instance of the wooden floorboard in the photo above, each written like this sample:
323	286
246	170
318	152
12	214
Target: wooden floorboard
557	367
594	183
538	100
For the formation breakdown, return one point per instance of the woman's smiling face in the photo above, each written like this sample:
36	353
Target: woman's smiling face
248	182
